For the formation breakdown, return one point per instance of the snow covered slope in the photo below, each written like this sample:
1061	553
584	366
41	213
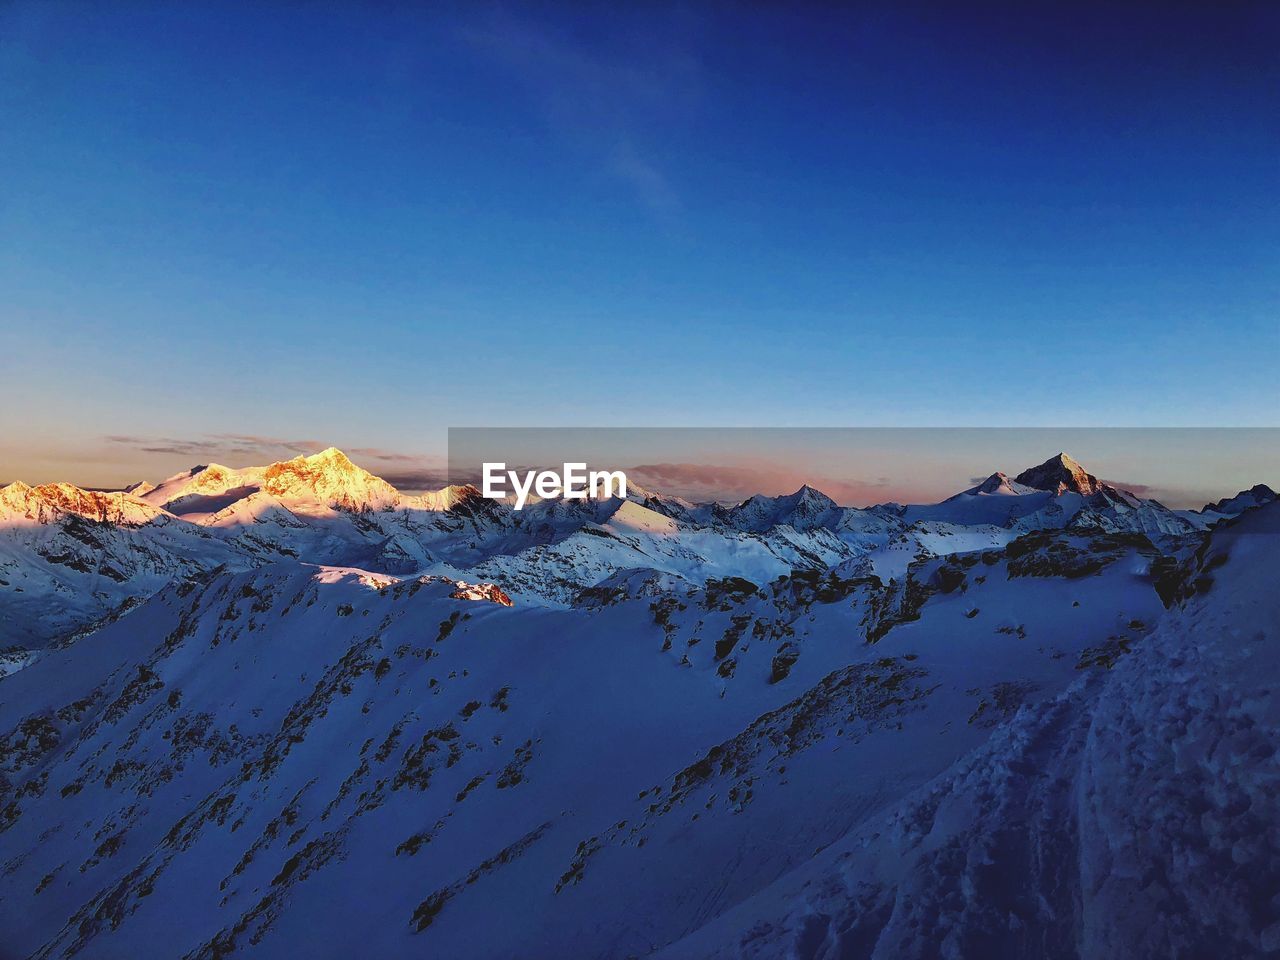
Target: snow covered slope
69	556
1133	814
1256	496
313	716
219	767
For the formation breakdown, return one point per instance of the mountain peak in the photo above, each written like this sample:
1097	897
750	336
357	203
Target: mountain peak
209	472
330	462
1256	496
996	485
993	483
1060	474
1064	461
809	501
330	455
812	494
14	497
331	477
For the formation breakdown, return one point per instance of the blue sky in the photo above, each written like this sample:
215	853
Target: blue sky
361	226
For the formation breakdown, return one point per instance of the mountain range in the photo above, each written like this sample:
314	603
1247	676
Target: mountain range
69	556
288	710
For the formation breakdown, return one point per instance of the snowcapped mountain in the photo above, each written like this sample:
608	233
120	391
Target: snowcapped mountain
634	536
70	556
324	481
1256	496
1057	494
288	710
802	510
1060	475
996	485
326	509
21	505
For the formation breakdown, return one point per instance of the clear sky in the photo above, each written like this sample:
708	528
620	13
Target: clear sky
230	233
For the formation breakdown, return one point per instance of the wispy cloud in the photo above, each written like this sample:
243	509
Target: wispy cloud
231	446
1179	498
616	99
650	184
1137	489
385	456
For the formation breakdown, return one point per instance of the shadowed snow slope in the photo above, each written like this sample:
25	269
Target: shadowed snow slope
1134	814
220	767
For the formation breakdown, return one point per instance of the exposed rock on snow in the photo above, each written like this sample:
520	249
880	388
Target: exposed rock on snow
1061	474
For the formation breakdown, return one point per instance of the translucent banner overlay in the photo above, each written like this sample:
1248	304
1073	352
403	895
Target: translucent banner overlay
1183	468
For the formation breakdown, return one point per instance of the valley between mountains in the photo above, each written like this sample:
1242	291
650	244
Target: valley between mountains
291	711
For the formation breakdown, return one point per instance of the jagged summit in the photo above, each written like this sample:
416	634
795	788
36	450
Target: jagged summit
812	494
332	478
330	462
803	509
330	455
1256	496
49	501
992	483
1060	474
